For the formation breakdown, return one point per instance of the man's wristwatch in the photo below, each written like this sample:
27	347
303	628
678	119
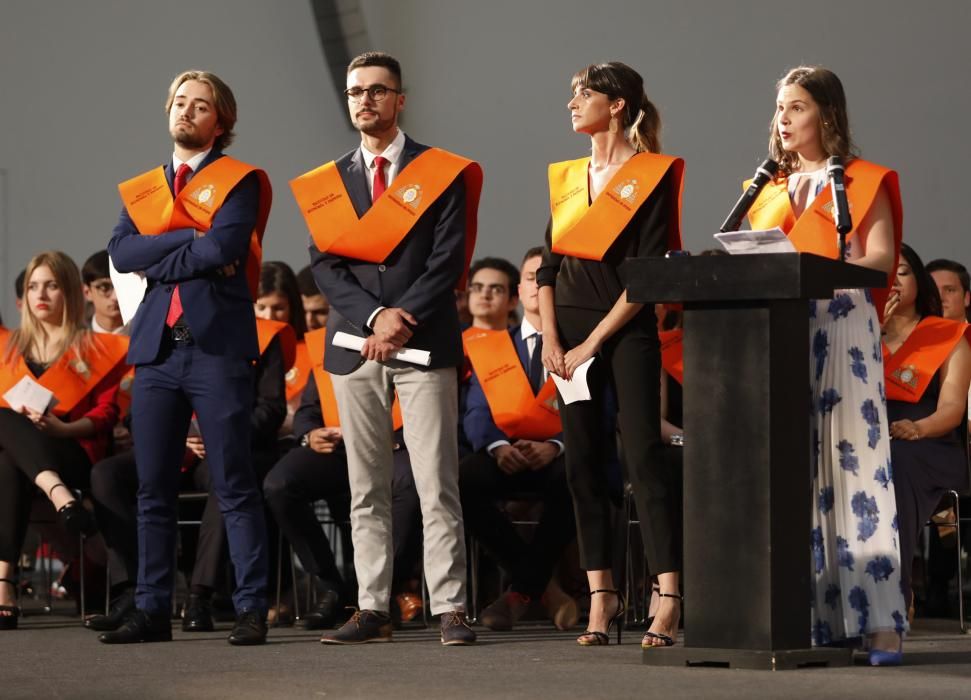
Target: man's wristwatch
305	440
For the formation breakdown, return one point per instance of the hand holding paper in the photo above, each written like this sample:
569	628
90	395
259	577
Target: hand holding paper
575	389
27	393
355	342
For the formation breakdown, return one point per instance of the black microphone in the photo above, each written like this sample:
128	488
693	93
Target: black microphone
841	208
763	174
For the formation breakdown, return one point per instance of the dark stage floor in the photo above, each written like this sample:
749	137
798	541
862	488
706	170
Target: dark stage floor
52	656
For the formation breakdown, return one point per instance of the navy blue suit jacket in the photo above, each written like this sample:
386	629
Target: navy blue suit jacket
480	429
418	276
217	309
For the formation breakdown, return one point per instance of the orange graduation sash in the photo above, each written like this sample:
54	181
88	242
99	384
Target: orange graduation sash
515	410
316	342
267	330
909	371
299	373
150	204
586	230
72	377
815	231
336	228
124	396
672	353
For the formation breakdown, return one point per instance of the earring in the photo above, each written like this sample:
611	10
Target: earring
614	125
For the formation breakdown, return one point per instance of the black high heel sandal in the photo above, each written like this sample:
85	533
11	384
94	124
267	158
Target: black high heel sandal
595	638
9	622
74	516
665	640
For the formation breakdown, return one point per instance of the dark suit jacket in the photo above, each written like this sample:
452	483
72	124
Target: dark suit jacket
217	309
480	429
419	275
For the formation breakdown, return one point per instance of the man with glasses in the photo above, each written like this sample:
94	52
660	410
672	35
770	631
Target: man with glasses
512	422
393	223
100	292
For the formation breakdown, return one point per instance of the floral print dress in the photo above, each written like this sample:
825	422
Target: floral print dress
855	552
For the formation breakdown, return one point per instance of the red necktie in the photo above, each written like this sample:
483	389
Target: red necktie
175	305
380	184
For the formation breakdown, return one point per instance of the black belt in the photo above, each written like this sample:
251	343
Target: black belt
181	335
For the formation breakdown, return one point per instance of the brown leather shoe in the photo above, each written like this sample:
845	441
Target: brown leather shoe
364	626
410	606
505	612
456	630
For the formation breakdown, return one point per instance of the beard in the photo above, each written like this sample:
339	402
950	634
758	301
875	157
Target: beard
188	139
378	126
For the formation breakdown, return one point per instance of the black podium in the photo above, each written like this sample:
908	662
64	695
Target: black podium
747	479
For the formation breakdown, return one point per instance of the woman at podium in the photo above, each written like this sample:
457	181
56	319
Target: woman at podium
623	200
927	369
855	557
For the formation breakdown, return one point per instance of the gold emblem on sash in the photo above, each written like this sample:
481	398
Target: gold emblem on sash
830	208
81	368
410	195
906	375
552	404
291	375
204	194
627	190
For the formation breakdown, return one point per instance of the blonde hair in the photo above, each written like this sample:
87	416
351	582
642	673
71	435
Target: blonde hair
221	95
26	341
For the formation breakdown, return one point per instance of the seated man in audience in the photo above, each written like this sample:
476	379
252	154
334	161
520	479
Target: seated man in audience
316	470
315	304
514	427
100	292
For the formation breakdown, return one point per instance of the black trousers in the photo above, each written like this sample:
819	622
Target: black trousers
529	565
303	476
25	452
630	364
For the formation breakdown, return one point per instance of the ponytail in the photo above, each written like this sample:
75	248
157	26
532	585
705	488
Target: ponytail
645	128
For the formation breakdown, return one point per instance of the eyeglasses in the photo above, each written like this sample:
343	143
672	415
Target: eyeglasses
103	288
377	93
479	288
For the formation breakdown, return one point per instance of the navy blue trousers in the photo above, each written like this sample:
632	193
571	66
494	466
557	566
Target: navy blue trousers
220	391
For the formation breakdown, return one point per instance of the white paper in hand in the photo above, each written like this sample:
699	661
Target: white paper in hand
575	389
773	240
28	393
356	342
129	288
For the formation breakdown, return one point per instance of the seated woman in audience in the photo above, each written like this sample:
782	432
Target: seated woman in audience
278	298
52	448
927	369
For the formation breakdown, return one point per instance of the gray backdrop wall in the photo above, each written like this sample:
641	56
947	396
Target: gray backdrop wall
83	85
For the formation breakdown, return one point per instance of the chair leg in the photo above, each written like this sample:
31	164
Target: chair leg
81	539
474	583
107	587
293	580
957	522
279	574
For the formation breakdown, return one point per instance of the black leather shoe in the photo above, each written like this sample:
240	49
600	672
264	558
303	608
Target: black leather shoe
250	629
77	519
119	610
197	616
324	615
140	626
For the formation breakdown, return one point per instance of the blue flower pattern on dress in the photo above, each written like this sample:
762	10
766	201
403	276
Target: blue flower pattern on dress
857	365
872	417
865	508
828	401
854	510
843	554
860	603
826	500
884	475
820	351
848	460
819	556
880	568
841	306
